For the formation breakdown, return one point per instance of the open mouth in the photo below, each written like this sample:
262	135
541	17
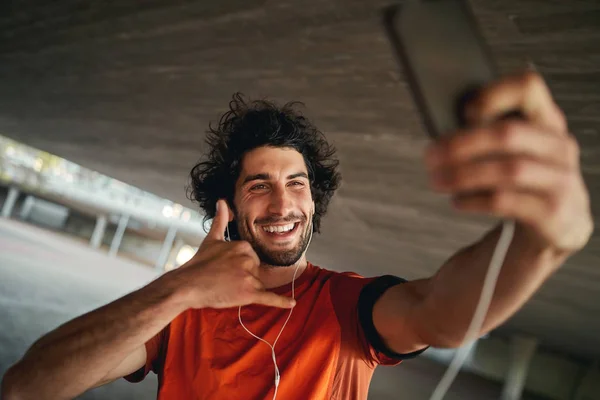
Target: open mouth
280	231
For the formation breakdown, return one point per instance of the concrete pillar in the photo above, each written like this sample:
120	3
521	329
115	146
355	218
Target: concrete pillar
166	248
172	258
27	207
9	203
98	234
116	242
522	349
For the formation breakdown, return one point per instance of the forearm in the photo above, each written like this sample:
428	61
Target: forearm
454	291
78	354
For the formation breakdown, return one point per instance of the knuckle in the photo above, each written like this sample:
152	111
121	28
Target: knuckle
459	176
553	204
455	146
248	295
516	170
499	201
571	148
250	259
249	281
533	81
452	177
564	184
507	133
248	263
561	119
483	102
237	273
243	246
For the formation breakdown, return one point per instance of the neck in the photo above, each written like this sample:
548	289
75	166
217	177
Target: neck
273	277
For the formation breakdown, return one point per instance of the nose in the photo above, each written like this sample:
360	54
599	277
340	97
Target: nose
280	203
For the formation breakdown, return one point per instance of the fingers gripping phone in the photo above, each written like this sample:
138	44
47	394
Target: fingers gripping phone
443	56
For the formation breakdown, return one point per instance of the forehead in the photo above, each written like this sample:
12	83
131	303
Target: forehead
272	160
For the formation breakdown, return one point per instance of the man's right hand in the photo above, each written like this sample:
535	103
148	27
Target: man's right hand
225	274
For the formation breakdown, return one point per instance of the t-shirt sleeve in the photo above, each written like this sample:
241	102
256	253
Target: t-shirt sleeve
353	298
155	355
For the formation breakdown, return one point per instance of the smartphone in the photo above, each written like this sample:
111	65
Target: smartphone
443	56
231	232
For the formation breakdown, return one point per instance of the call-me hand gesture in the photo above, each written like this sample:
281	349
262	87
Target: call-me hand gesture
225	274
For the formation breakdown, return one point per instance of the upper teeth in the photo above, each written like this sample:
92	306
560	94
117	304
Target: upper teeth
281	228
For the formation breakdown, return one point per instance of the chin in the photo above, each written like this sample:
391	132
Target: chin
283	254
279	257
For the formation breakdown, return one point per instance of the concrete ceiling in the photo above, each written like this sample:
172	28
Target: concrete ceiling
128	89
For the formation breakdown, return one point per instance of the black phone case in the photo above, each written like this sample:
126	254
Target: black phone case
231	233
390	15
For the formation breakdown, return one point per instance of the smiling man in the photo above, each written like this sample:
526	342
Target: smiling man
208	329
278	232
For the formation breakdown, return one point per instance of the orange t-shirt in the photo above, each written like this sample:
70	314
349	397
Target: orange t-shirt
323	352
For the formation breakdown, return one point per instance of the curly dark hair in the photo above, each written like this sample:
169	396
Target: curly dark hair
248	125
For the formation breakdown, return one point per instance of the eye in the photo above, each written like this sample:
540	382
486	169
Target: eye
259	186
296	183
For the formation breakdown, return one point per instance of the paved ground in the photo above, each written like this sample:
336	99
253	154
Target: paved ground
47	279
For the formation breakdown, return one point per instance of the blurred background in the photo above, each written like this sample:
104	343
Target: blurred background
103	109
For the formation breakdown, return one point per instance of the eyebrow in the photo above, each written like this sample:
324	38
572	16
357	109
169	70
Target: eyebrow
266	177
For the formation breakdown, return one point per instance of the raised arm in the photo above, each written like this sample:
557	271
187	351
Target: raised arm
527	170
95	348
108	343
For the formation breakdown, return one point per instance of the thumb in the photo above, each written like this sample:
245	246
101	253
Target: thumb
526	93
219	223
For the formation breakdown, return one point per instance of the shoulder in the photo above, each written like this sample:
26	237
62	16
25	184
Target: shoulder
349	290
352	283
345	278
328	280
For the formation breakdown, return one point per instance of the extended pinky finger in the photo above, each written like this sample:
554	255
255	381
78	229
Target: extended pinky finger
273	300
531	207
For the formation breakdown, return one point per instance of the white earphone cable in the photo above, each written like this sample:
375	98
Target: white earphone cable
277	374
485	298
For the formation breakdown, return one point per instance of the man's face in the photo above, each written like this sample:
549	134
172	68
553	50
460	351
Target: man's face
274	207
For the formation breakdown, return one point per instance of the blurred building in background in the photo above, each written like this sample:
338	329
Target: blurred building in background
54	193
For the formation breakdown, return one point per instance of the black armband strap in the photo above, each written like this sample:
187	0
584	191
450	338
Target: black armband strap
366	301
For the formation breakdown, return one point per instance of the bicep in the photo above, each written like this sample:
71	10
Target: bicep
130	364
396	317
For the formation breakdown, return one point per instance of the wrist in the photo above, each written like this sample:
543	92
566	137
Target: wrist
533	247
174	291
184	293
